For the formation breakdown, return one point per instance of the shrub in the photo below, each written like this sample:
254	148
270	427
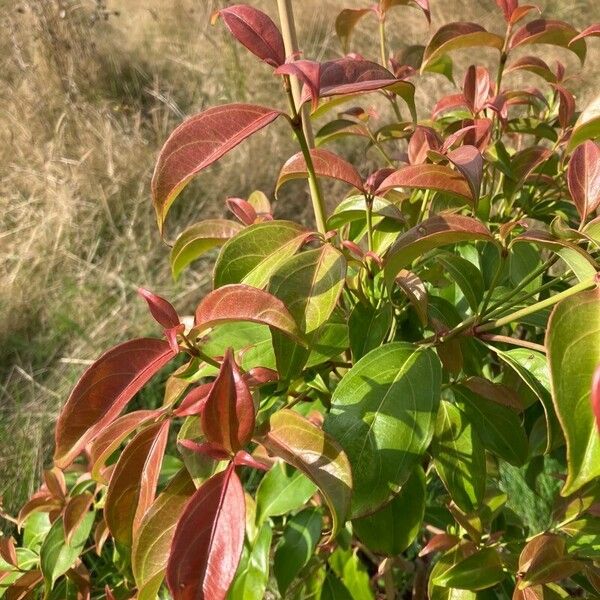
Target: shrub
383	405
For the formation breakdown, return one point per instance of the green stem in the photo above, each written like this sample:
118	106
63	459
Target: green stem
529	310
494	283
369	214
382	44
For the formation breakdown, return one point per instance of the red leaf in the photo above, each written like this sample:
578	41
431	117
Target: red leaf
430	177
162	310
133	482
55	482
544	31
523	11
596	396
228	415
533	64
439	543
238	302
242	458
112	436
194	402
592	30
103	392
8	552
308	71
75	510
208	540
566	109
476	88
481	135
200	141
450	102
255	30
468	160
346	21
508	7
421	141
258	376
374	180
213	451
24	585
583	176
326	164
242	209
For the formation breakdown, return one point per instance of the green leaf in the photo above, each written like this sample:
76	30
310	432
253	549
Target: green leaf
56	556
466	275
296	547
279	492
573	343
498	427
434	232
199	239
334	589
383	415
311	450
459	457
353	573
476	572
152	542
251	580
368	327
393	528
587	126
354	208
254	253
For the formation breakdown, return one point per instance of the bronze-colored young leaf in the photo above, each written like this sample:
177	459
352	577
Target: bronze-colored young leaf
245	303
573	344
312	451
198	239
197	143
75	511
133	483
441	230
208	540
326	164
103	392
255	30
455	36
152	541
583	177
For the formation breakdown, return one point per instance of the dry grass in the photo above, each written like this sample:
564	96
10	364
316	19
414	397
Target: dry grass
90	90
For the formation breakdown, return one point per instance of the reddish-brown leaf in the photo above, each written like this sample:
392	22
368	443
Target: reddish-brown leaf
55	482
439	543
476	87
532	64
450	102
526	161
308	72
238	302
194	402
255	30
75	510
595	399
592	30
24	585
326	164
200	141
345	23
508	7
113	436
374	179
544	31
468	160
429	177
421	142
228	414
39	502
522	11
496	392
566	108
133	483
162	310
242	209
415	290
8	553
385	5
103	392
208	540
583	176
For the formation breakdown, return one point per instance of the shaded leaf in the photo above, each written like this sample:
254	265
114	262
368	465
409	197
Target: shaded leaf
468	160
368	327
103	392
345	23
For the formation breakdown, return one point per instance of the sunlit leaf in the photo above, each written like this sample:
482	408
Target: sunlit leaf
587	126
475	572
583	177
345	23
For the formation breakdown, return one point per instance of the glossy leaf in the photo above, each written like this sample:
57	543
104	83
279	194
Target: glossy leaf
469	162
245	303
103	392
208	540
74	514
255	30
162	310
466	275
592	30
279	492
133	482
326	164
368	327
199	239
197	143
508	7
312	451
296	547
383	415
455	36
476	87
434	232
498	427
152	541
587	126
543	31
228	414
532	64
459	457
583	177
393	528
573	344
429	177
253	254
475	572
